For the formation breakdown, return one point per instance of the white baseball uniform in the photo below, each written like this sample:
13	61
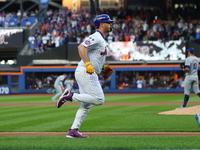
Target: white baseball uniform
91	92
58	85
191	79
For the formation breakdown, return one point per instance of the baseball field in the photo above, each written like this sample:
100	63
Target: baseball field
123	122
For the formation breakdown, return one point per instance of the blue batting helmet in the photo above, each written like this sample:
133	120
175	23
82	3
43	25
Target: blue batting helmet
191	50
101	18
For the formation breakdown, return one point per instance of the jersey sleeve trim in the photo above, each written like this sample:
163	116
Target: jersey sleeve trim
187	66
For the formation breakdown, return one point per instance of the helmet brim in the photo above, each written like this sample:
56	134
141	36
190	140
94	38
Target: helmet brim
107	21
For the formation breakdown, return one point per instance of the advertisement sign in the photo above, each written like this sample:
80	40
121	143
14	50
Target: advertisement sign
4	90
11	38
147	51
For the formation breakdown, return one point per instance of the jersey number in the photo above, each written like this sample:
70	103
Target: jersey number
195	65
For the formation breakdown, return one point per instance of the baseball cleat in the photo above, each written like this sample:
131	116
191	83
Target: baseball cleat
180	108
197	116
65	97
66	91
74	133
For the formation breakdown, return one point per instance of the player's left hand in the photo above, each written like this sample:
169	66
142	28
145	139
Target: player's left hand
182	65
108	69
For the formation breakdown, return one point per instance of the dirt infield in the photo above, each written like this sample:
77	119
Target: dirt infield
184	111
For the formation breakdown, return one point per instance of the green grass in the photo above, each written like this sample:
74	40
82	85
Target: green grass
99	142
25	99
101	118
109	98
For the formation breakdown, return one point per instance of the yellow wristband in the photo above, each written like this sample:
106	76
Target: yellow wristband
87	63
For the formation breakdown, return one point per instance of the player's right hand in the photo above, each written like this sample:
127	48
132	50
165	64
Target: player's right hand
89	68
182	65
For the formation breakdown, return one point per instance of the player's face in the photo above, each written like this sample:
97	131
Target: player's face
108	27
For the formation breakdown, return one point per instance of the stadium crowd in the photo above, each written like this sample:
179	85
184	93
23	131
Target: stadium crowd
64	26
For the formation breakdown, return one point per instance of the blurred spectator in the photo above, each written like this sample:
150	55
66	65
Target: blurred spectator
143	83
6	24
32	44
198	33
132	37
45	84
50	45
38	40
139	83
19	14
107	84
45	38
134	83
151	82
181	82
18	22
102	81
2	19
32	14
110	37
57	40
31	39
29	83
38	83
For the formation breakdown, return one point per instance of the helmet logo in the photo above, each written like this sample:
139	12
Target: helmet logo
101	18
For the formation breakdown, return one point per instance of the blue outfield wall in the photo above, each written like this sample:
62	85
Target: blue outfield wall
113	89
144	91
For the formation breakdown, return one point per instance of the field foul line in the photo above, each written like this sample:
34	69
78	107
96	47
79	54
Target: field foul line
102	133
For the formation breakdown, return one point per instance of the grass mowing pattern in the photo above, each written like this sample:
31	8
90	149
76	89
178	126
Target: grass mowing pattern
99	142
104	118
101	118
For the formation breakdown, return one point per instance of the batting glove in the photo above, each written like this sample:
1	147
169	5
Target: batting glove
108	69
89	68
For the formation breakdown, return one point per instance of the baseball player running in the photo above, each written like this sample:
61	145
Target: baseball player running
191	78
93	51
58	85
